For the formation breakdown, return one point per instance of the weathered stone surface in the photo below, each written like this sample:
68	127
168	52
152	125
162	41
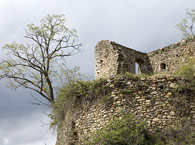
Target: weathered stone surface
155	120
150	99
112	58
172	85
157	111
172	113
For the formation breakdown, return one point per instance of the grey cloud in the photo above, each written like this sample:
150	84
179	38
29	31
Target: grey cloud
26	130
16	103
139	24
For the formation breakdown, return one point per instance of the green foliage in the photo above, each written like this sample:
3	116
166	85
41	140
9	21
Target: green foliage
135	76
68	76
35	66
73	93
128	131
125	91
142	75
187	69
186	25
104	98
129	75
184	88
123	131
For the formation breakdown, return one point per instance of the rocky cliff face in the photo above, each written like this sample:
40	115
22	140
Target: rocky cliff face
160	101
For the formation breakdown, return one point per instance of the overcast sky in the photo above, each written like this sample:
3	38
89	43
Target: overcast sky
144	25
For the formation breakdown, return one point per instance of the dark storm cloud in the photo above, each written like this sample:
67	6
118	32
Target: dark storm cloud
144	25
17	103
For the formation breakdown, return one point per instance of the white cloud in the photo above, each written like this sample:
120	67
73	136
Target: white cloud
6	140
27	130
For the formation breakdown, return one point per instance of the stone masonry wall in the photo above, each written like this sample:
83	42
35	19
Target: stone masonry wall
151	99
106	60
167	59
112	58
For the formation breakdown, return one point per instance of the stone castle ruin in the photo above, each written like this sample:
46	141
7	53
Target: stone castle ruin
112	58
151	99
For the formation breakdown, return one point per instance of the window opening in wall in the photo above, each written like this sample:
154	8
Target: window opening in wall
138	63
162	66
136	68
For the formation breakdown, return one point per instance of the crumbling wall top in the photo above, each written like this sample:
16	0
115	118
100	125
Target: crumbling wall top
112	58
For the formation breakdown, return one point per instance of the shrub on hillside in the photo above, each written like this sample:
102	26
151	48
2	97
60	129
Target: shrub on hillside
187	69
123	131
129	131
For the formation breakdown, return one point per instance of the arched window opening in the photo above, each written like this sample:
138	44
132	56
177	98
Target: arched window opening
162	66
138	63
137	68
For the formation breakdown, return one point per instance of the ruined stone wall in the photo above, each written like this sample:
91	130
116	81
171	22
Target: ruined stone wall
167	59
112	58
106	60
129	57
151	99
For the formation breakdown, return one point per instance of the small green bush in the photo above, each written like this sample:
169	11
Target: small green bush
187	69
123	131
184	88
128	131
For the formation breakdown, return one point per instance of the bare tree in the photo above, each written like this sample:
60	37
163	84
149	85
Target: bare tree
34	66
187	24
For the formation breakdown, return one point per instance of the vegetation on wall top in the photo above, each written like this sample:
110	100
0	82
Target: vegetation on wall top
73	94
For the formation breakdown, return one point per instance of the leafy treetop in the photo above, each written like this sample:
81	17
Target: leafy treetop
36	66
187	24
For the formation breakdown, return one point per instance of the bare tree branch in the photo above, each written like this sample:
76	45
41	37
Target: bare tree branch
34	66
187	24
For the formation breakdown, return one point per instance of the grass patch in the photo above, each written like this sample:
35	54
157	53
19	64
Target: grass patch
135	76
125	91
129	75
